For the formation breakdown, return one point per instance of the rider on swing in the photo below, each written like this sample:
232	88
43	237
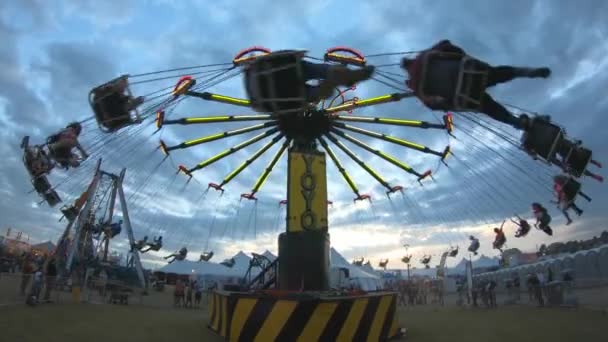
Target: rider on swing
114	104
140	244
523	227
442	96
61	145
330	76
474	246
500	239
542	218
156	245
565	201
179	256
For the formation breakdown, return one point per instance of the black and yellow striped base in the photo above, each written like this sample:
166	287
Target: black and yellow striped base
304	317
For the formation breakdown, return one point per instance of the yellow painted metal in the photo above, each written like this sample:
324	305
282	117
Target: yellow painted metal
361	103
307	192
224	118
230	100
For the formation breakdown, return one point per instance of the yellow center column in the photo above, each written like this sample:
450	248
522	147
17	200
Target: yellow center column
304	247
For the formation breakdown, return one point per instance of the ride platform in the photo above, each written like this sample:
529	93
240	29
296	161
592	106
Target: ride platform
304	316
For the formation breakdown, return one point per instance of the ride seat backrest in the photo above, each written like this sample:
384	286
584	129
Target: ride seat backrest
52	198
571	189
544	138
104	103
577	159
460	79
41	184
280	81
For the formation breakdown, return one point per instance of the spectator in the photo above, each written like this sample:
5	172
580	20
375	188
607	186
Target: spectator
178	294
51	275
189	289
27	270
198	294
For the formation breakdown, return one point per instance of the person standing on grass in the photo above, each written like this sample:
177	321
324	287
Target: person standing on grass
198	294
50	276
189	294
178	293
27	270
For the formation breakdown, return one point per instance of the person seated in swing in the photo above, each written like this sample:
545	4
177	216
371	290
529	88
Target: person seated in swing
474	246
228	262
565	200
523	227
140	244
278	81
36	159
206	256
542	218
60	146
437	87
112	104
113	229
453	251
573	159
426	260
156	245
500	239
179	256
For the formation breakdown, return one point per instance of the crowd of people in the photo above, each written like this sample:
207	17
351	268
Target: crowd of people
185	291
417	291
38	273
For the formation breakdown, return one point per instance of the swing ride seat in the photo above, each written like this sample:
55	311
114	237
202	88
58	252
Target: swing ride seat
43	188
70	212
38	165
36	160
571	189
464	88
473	247
275	83
228	262
521	232
206	256
543	138
577	159
109	106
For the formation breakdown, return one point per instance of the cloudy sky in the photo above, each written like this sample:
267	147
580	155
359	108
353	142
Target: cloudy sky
54	52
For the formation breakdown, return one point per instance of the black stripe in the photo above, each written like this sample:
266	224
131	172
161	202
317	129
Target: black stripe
366	320
232	300
213	310
297	321
256	319
332	329
219	312
388	321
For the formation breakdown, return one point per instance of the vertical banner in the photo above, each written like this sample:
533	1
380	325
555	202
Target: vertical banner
307	192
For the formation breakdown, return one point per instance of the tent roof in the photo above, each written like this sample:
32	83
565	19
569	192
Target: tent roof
338	261
199	268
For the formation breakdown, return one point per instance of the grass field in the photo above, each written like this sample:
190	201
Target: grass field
91	323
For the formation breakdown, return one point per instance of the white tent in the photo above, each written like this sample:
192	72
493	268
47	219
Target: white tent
356	275
269	255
